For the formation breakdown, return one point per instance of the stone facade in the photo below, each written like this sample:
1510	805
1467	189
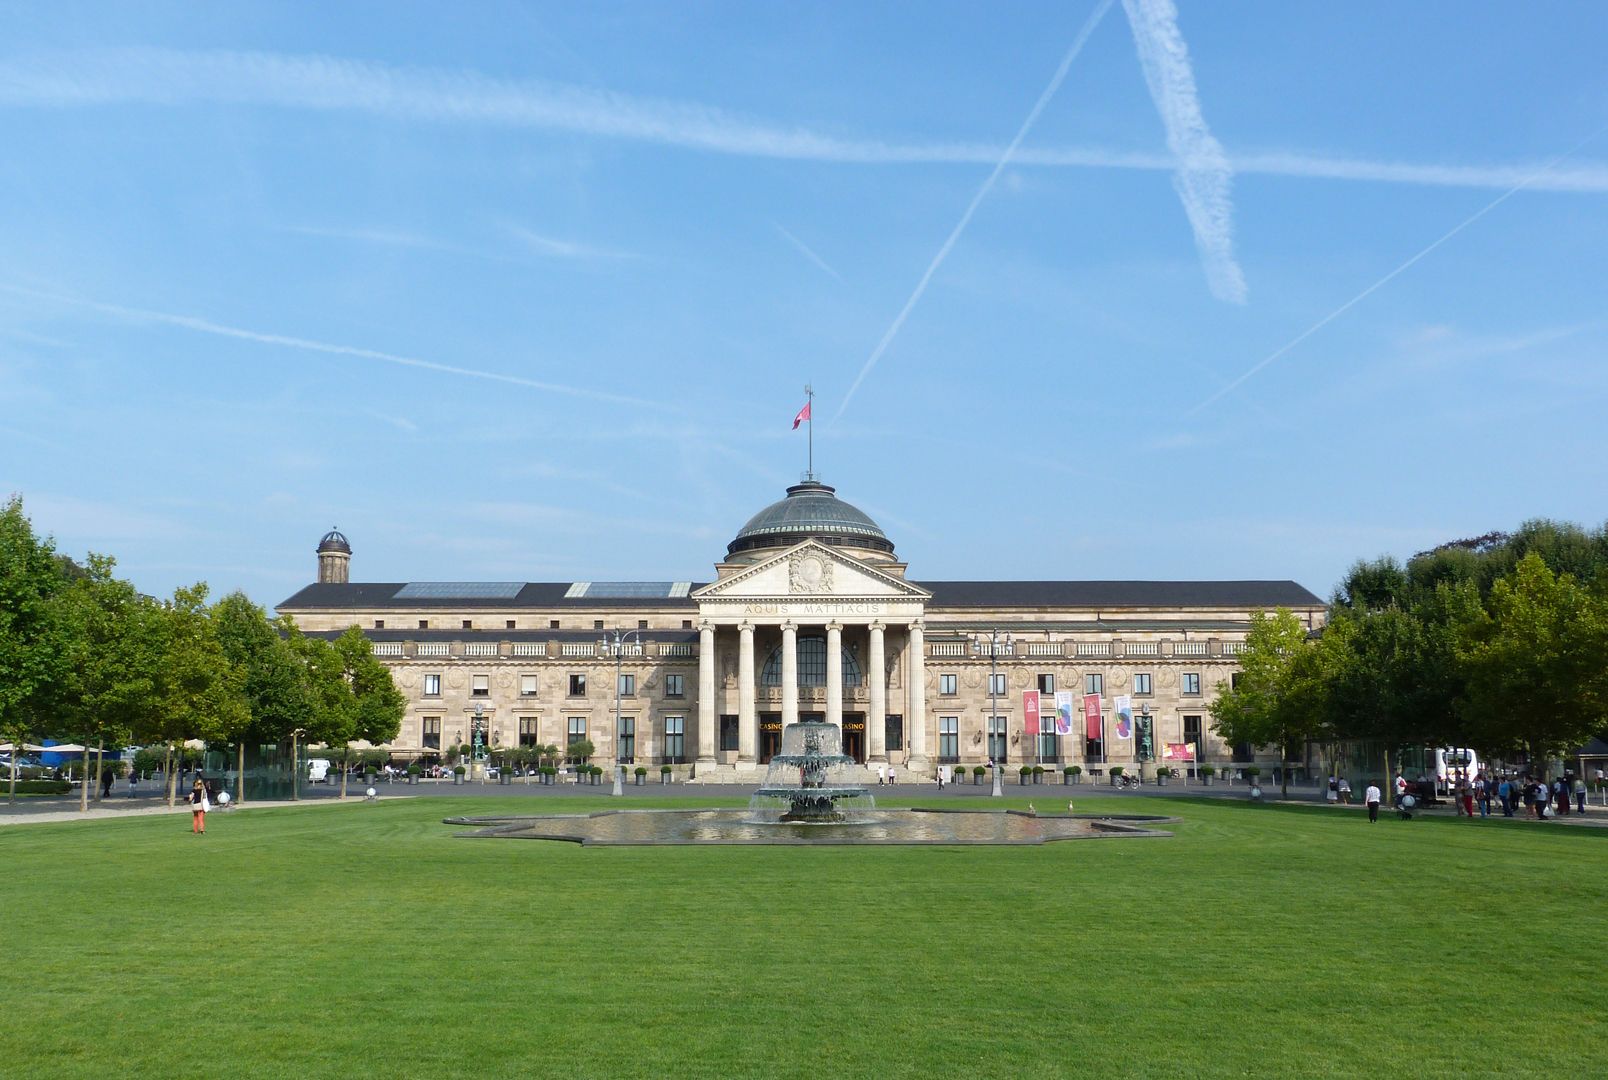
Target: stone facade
795	627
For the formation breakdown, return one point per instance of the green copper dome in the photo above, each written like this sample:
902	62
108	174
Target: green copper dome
811	510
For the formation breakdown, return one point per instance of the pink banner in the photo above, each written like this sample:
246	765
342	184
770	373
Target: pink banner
1091	715
1030	712
1179	751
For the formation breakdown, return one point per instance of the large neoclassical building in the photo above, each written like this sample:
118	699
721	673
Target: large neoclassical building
811	615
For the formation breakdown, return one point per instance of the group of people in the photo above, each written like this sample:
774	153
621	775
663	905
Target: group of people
1340	790
1506	792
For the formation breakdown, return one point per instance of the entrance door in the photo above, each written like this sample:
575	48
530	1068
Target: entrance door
770	736
854	736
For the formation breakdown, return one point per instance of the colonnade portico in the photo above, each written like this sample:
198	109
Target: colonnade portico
714	643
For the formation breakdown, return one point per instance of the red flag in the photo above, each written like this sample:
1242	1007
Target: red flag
1091	716
1030	712
803	415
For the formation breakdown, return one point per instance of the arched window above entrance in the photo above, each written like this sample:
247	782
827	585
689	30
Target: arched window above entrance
811	664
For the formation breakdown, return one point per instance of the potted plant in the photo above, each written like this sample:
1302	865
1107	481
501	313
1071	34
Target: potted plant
1115	773
665	774
1252	772
1038	774
1023	773
1072	772
977	774
548	772
597	775
457	773
1206	772
1162	773
641	775
413	773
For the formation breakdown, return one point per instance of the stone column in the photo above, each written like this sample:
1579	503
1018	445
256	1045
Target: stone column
916	714
789	673
834	673
747	722
706	695
876	717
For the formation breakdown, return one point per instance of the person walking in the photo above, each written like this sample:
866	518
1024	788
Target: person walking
107	776
1504	791
1465	793
1372	797
199	807
133	780
1401	786
1345	791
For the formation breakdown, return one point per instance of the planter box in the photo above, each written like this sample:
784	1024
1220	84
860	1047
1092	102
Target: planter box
457	778
1161	781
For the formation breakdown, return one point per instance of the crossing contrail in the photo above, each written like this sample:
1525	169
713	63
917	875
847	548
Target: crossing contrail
965	219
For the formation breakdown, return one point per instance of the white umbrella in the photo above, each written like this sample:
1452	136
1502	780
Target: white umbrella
27	748
64	748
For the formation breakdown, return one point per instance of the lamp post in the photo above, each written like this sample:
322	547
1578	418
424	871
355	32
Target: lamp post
1147	745
477	736
994	646
617	643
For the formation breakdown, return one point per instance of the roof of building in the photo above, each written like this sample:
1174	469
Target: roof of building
334	541
1052	595
811	509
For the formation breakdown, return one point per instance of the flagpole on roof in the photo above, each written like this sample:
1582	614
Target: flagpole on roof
809	400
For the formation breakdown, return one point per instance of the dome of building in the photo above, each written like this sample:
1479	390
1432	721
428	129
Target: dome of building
811	510
334	541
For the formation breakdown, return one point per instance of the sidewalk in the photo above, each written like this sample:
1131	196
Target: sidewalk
40	811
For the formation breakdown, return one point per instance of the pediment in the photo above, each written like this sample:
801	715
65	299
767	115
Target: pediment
811	570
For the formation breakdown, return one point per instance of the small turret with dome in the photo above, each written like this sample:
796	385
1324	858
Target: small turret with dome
811	511
334	558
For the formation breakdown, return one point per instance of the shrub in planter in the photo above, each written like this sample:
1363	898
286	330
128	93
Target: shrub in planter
1253	772
1162	774
1024	773
597	774
1072	773
1115	772
548	772
977	774
1038	774
413	774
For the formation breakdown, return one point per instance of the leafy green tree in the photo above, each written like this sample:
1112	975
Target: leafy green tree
32	661
110	639
274	679
199	694
1280	696
1533	655
331	714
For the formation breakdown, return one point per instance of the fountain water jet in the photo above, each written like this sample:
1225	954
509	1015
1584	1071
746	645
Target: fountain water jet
811	781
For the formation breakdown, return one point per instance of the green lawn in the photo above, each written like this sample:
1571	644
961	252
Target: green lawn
355	939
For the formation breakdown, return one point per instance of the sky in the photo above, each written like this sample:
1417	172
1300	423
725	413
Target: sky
532	291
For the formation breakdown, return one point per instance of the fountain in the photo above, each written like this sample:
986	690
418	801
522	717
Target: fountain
811	781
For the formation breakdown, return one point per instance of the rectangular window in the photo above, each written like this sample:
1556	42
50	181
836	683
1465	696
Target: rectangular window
379	624
675	686
1233	681
625	752
949	739
686	624
552	624
1049	745
1192	733
1141	683
480	686
1094	683
424	624
577	685
997	739
432	686
948	685
1093	750
509	625
1046	683
597	624
893	732
529	731
1192	683
576	732
527	686
728	732
996	684
432	733
468	624
642	624
627	685
675	740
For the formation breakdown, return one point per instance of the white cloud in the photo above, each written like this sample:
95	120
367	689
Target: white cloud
173	78
1204	178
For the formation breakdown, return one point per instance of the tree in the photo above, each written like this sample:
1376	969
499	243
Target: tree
1282	685
198	693
274	679
31	656
1533	660
110	646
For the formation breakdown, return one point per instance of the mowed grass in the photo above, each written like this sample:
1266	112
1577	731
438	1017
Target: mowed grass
345	940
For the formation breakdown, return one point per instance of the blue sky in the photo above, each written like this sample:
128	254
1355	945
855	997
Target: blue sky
531	291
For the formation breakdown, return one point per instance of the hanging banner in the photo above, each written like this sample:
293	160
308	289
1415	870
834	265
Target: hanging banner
1091	716
1124	707
1063	712
1030	712
1179	751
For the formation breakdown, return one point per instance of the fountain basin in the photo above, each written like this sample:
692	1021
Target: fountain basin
611	828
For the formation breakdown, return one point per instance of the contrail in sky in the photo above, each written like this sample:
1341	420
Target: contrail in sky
965	219
188	322
1364	294
808	252
1204	178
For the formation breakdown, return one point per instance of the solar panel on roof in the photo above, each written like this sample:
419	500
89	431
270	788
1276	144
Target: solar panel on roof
628	590
459	590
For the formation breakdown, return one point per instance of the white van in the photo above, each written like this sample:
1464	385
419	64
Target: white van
317	770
